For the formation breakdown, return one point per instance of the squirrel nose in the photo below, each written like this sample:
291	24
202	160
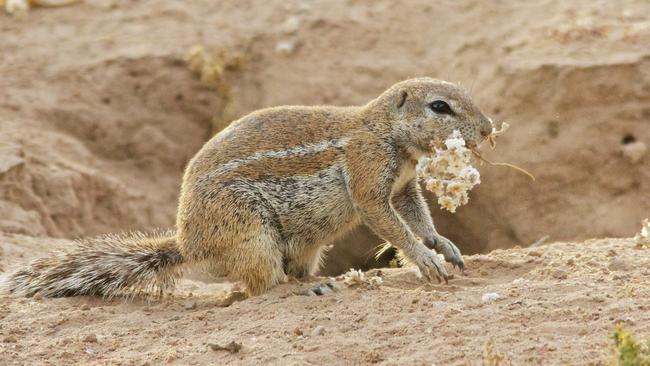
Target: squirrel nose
486	127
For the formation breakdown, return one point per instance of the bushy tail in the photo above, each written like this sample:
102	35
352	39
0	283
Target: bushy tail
112	265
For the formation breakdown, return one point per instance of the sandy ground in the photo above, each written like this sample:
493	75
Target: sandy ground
99	114
557	304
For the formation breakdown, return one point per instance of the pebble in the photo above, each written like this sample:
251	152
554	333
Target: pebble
287	46
19	7
90	338
190	305
519	281
10	339
84	307
625	319
559	274
318	331
232	347
618	264
291	25
634	152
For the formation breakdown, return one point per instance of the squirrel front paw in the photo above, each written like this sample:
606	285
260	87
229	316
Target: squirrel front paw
430	266
445	247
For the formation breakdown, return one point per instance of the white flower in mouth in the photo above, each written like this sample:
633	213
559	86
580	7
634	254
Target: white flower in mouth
471	175
448	174
455	142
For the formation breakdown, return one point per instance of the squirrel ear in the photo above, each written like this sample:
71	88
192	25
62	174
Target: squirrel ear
402	95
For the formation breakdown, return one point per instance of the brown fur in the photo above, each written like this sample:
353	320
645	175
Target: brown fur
263	198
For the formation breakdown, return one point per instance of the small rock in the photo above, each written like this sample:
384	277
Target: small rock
534	253
190	305
84	307
489	297
90	338
291	25
318	331
10	339
17	7
287	46
626	319
519	281
618	264
232	347
559	274
634	151
297	331
232	297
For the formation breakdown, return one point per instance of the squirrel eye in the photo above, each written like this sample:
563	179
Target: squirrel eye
441	107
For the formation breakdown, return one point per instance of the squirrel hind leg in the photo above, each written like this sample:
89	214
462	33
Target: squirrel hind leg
305	261
258	262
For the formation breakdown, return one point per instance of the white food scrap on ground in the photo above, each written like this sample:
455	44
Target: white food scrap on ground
643	238
357	277
520	281
448	173
19	7
490	297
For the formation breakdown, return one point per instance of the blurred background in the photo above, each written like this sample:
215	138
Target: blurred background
103	102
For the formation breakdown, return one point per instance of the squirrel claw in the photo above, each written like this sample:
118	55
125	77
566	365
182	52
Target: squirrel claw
447	248
319	290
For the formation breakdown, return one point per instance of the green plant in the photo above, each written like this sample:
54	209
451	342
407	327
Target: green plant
492	356
629	352
213	68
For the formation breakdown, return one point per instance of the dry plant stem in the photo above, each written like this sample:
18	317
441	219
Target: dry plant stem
53	3
496	133
522	170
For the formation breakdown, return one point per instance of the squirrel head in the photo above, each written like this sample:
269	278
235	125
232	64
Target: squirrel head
426	111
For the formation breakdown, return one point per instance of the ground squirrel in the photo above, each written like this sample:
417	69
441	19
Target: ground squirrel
263	198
